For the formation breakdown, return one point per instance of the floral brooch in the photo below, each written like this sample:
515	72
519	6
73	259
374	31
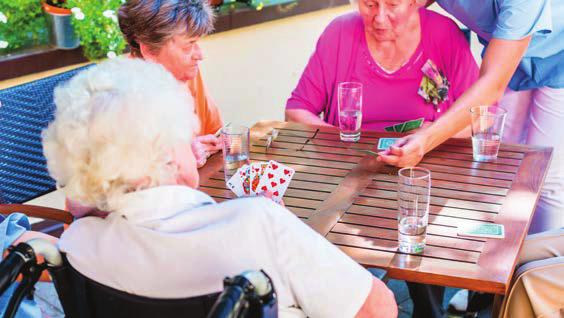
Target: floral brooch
434	85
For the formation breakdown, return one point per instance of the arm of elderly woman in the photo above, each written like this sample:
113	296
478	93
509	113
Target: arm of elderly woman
305	116
500	62
205	146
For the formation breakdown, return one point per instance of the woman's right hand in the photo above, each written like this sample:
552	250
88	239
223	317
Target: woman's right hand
269	195
205	146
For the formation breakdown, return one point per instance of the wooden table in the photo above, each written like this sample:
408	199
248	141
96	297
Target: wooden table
350	198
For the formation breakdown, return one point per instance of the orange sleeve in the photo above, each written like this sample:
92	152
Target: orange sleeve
205	107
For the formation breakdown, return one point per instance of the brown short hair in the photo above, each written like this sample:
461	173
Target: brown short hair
153	22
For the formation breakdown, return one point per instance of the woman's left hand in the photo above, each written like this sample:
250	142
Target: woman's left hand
406	152
205	146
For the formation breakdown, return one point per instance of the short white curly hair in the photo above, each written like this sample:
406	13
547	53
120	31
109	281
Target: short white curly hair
115	125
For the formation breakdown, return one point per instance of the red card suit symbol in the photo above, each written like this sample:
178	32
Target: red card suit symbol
282	181
286	171
270	176
264	188
273	184
274	166
276	193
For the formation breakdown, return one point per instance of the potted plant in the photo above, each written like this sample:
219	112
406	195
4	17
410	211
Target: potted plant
61	32
96	23
22	25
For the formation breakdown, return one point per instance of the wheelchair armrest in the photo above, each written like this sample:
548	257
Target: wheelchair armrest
38	212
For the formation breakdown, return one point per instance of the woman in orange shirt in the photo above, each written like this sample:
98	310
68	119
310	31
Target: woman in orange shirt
167	32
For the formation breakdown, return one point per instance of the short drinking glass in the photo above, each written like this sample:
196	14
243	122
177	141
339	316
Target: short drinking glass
414	194
487	129
235	149
350	110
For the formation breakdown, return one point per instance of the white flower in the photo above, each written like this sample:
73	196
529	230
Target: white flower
3	18
110	14
78	14
111	55
3	44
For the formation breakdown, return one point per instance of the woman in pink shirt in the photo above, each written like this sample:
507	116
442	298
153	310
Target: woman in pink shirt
384	46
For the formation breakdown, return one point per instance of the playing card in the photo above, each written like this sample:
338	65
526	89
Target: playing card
256	172
482	230
276	179
406	126
385	143
413	124
237	182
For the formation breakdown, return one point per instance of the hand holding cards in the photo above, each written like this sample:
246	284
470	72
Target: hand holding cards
261	177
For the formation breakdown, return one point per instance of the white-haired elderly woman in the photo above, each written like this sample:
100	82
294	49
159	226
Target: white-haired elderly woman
120	142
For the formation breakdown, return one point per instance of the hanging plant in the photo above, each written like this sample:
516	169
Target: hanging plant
96	23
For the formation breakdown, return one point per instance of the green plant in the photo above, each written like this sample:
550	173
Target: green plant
22	24
95	22
56	3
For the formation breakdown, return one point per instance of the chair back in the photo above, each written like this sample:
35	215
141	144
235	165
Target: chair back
84	298
25	110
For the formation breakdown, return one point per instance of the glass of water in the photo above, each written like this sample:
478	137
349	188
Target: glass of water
350	110
487	129
235	149
414	194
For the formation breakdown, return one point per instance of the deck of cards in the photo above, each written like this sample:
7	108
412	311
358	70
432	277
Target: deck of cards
261	177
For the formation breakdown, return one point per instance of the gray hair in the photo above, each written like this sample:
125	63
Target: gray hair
116	124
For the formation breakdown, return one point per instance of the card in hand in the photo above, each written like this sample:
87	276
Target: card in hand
385	143
406	126
237	182
256	173
276	179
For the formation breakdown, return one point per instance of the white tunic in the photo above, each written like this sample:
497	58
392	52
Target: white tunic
176	242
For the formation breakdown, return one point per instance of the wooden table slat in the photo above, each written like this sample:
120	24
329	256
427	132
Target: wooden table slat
444	193
380	244
450	185
446	242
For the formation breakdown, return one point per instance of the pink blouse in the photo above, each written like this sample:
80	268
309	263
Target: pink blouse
342	55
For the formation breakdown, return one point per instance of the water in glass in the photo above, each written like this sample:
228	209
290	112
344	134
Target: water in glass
414	194
485	146
349	123
235	149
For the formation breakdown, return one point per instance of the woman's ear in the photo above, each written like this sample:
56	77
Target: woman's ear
147	52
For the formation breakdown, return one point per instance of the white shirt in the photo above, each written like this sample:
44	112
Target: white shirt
176	242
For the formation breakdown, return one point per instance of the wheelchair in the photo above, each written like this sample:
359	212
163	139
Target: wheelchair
248	295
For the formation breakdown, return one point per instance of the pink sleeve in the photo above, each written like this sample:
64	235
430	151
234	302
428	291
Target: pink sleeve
310	93
462	70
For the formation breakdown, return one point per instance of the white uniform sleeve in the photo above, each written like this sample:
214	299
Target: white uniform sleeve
325	281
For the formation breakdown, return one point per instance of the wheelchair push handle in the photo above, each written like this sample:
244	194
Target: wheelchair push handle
248	295
12	265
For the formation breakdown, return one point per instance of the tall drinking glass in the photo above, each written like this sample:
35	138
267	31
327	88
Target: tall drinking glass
414	194
235	149
350	110
487	129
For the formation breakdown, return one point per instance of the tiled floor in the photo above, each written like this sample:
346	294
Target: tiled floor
47	299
